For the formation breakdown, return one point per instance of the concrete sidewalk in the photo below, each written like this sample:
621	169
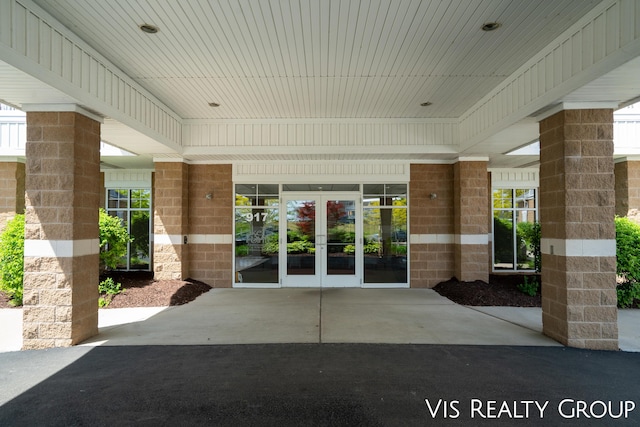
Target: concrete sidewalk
296	315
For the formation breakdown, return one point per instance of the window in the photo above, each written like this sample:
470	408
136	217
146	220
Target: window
515	211
133	206
385	233
256	233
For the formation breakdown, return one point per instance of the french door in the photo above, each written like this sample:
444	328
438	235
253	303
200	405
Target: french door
321	244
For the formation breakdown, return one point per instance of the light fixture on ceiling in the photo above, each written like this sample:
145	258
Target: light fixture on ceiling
426	104
490	26
214	104
148	28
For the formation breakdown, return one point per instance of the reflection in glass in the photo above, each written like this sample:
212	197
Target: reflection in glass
503	239
301	235
139	258
341	237
256	256
385	243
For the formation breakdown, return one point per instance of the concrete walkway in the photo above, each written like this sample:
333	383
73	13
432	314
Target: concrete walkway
295	315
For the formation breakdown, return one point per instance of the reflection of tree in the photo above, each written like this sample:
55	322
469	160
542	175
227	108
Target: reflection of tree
306	215
335	212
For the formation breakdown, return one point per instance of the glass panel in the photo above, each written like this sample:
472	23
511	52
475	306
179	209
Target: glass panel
123	215
301	235
341	237
139	258
385	245
246	194
502	198
503	240
526	199
140	199
386	194
524	238
118	199
256	245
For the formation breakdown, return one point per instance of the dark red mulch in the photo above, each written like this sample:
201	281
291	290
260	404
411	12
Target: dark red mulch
141	290
501	290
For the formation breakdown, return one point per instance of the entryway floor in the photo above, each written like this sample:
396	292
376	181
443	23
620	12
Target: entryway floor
297	315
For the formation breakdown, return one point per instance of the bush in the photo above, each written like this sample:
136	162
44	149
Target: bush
108	288
529	287
113	240
628	261
12	259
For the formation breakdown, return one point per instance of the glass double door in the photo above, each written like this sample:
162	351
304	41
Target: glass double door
321	243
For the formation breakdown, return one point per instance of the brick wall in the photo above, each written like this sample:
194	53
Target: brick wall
210	223
12	175
577	205
62	197
431	263
470	182
627	189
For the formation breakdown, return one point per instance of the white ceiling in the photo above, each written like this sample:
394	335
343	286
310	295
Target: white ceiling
308	59
318	58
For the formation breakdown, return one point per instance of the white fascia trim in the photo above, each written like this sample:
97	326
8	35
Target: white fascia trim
211	239
61	248
448	239
168	239
578	247
578	106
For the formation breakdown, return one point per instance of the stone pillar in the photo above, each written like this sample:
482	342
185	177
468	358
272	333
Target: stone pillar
627	184
11	191
578	244
431	221
211	201
61	258
471	212
171	221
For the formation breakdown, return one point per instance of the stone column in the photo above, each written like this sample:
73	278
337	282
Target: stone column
577	207
431	221
627	184
61	229
171	221
211	201
471	212
11	191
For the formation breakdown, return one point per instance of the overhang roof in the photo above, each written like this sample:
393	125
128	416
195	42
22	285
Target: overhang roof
346	62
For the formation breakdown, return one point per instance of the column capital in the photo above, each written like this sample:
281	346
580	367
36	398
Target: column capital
611	105
61	108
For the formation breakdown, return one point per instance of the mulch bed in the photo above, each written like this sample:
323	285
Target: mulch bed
141	290
502	290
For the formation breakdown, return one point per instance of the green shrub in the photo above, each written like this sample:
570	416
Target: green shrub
372	248
242	250
529	287
113	240
530	234
349	249
628	261
12	259
108	288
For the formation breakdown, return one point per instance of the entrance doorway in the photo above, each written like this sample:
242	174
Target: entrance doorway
321	242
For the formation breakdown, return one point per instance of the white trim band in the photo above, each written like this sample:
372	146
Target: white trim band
61	248
449	239
578	247
168	239
211	239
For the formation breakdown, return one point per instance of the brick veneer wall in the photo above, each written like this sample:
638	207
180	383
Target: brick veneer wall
12	175
577	205
431	263
627	189
471	220
61	229
170	220
211	224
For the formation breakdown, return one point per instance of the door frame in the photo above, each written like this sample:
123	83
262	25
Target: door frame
321	278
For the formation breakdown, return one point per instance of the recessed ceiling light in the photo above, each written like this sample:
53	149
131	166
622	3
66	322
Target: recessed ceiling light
425	104
490	26
214	104
148	28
